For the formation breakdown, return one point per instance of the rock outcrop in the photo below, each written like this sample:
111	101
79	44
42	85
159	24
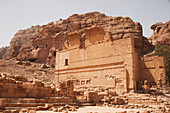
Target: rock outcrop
39	43
3	50
20	39
161	33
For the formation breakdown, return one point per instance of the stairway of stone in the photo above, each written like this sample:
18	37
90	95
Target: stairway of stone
147	98
35	103
84	102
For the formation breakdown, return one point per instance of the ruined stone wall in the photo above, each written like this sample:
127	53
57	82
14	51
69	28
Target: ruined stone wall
26	90
152	69
20	87
111	62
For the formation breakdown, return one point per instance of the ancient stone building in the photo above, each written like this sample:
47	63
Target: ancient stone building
94	59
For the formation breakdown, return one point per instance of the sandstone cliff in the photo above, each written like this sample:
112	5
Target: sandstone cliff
3	50
39	43
161	33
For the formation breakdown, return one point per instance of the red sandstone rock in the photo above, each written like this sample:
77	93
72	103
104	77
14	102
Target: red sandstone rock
161	33
48	105
31	111
60	109
44	66
21	78
3	50
18	62
39	43
27	64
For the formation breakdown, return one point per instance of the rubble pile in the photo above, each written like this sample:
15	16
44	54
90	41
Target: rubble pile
20	87
153	104
129	102
18	94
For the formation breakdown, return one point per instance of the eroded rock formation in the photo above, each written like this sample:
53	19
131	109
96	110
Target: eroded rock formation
161	33
3	50
20	40
39	43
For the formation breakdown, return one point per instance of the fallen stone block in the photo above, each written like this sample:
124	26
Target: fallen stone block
23	110
73	109
19	62
122	112
27	64
7	111
67	106
48	105
60	109
43	66
32	111
21	78
15	111
37	82
2	103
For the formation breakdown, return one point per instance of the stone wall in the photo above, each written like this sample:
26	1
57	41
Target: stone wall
26	90
111	62
98	57
152	69
20	87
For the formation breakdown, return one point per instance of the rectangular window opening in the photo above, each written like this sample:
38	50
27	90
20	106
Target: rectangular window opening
66	62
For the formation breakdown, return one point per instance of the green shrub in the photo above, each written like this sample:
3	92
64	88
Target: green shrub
164	50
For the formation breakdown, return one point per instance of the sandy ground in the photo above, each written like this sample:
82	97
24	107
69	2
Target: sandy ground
96	109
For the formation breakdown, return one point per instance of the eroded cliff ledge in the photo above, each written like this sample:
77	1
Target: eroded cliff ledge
161	33
39	43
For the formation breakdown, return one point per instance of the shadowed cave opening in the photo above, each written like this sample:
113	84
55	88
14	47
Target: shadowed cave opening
32	60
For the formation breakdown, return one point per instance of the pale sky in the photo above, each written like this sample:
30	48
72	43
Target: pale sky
22	14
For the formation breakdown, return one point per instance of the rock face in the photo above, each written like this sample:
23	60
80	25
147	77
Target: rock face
161	33
21	39
39	43
3	50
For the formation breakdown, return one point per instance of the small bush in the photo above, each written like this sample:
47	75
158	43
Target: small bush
164	50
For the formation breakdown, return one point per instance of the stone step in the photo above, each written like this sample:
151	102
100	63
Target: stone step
24	104
83	101
63	104
34	100
47	106
37	104
30	108
86	104
27	100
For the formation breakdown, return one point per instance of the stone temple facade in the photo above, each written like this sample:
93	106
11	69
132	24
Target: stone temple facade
96	60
